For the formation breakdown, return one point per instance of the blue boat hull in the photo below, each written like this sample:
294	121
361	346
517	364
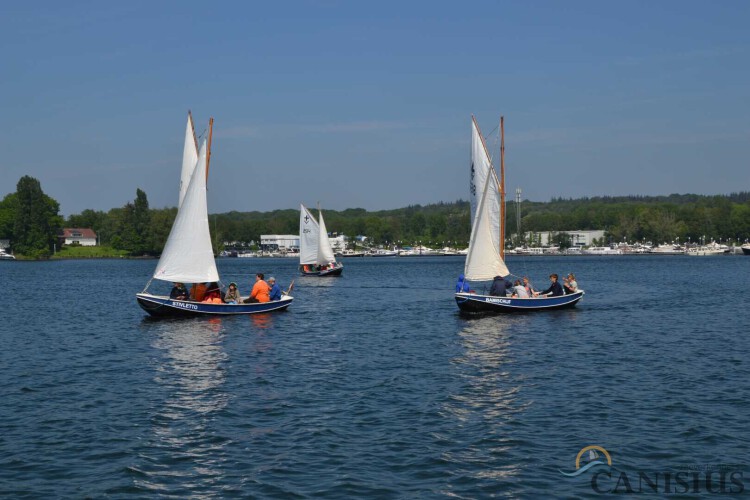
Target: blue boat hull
473	303
158	305
336	271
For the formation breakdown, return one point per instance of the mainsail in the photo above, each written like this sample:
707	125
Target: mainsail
189	158
309	233
484	259
188	256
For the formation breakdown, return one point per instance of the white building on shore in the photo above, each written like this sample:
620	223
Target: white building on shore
279	242
577	238
84	237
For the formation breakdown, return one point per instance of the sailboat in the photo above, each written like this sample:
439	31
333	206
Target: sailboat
485	257
188	256
316	256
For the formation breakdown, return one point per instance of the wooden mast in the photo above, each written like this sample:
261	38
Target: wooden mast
208	149
502	189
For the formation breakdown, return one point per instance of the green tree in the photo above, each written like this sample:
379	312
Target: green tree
8	208
37	221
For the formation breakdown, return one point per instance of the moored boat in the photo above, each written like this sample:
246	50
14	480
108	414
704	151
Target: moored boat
667	249
601	251
6	256
380	252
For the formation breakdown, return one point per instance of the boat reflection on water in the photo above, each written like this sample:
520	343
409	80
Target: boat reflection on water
262	321
189	368
488	401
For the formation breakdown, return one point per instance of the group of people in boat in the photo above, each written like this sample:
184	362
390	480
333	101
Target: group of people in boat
315	268
522	288
262	291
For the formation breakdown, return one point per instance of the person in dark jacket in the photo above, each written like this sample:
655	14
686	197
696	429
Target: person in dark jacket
462	285
500	286
275	293
554	290
179	292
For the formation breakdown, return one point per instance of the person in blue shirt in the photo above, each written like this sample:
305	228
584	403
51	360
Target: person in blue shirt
462	285
275	293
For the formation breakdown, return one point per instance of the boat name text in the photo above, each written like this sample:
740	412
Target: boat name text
497	301
185	306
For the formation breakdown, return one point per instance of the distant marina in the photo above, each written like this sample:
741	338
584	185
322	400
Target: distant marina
664	249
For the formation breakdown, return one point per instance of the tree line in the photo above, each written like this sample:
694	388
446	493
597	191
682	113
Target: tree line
31	220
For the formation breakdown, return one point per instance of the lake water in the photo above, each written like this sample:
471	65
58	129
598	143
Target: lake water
371	385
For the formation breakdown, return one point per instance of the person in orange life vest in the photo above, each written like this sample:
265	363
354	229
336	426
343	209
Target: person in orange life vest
213	293
259	292
198	292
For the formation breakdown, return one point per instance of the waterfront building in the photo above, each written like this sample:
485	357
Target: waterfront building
84	237
279	243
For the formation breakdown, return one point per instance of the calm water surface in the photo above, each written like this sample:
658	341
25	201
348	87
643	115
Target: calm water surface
370	385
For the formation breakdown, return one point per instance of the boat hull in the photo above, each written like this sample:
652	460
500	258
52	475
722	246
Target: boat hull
746	250
473	303
327	272
157	305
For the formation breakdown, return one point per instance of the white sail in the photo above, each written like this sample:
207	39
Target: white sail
483	261
325	252
188	256
189	158
309	233
480	167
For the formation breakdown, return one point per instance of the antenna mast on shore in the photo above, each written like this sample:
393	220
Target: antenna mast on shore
518	213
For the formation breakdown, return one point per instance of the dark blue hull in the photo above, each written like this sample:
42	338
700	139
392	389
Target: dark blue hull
157	305
473	303
336	271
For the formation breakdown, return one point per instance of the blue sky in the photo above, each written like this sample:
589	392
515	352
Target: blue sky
368	104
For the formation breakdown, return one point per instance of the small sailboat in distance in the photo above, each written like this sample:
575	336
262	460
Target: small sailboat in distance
316	256
485	257
188	256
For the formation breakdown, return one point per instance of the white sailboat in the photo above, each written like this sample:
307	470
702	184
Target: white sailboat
188	256
316	256
485	257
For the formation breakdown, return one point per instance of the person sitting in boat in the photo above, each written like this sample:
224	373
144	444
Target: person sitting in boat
259	292
275	292
554	290
179	292
213	294
519	291
462	285
570	285
198	292
500	286
233	294
528	286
